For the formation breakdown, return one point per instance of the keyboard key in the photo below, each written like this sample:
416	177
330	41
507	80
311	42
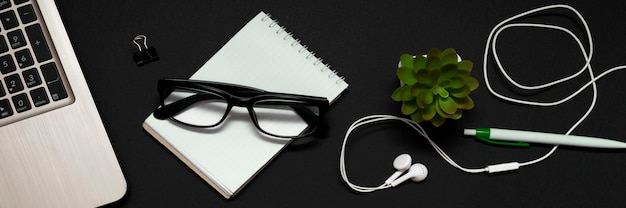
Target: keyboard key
31	77
4	4
2	92
17	2
14	83
57	91
21	102
27	14
24	59
3	44
9	20
39	97
55	85
6	64
16	39
5	109
38	42
50	73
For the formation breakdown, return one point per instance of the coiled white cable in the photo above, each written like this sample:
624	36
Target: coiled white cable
491	46
587	54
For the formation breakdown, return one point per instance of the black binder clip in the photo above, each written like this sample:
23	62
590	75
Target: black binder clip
145	54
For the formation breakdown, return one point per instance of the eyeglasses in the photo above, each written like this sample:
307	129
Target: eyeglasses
206	104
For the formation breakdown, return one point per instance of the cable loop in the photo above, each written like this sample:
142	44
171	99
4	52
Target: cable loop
491	46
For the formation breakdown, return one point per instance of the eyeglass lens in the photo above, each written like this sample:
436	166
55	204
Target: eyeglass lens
285	118
198	109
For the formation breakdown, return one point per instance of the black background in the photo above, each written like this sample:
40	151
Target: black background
363	42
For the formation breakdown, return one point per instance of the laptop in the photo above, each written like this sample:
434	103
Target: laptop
54	150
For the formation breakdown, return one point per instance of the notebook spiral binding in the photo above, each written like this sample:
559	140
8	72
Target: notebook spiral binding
303	48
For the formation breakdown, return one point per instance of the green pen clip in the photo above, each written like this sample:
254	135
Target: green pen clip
483	134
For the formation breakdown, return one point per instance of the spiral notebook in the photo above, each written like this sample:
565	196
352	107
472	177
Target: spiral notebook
262	55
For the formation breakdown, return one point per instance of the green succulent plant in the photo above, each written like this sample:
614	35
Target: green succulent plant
435	87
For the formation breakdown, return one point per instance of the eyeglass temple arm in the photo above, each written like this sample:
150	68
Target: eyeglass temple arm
237	90
307	115
315	122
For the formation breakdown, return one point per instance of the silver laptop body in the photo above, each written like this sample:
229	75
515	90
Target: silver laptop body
62	157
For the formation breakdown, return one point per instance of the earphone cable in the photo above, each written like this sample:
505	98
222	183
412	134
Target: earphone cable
491	47
379	118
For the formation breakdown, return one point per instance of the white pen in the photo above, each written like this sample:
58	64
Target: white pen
522	138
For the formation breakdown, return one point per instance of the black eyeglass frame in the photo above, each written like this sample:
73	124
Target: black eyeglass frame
241	96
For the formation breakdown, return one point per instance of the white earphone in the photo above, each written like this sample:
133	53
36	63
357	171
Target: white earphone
416	172
401	163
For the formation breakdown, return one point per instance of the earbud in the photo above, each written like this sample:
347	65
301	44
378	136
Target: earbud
401	163
417	172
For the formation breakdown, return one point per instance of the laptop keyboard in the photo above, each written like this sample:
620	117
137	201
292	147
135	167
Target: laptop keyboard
32	80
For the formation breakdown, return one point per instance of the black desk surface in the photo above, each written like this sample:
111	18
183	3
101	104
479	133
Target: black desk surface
363	42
